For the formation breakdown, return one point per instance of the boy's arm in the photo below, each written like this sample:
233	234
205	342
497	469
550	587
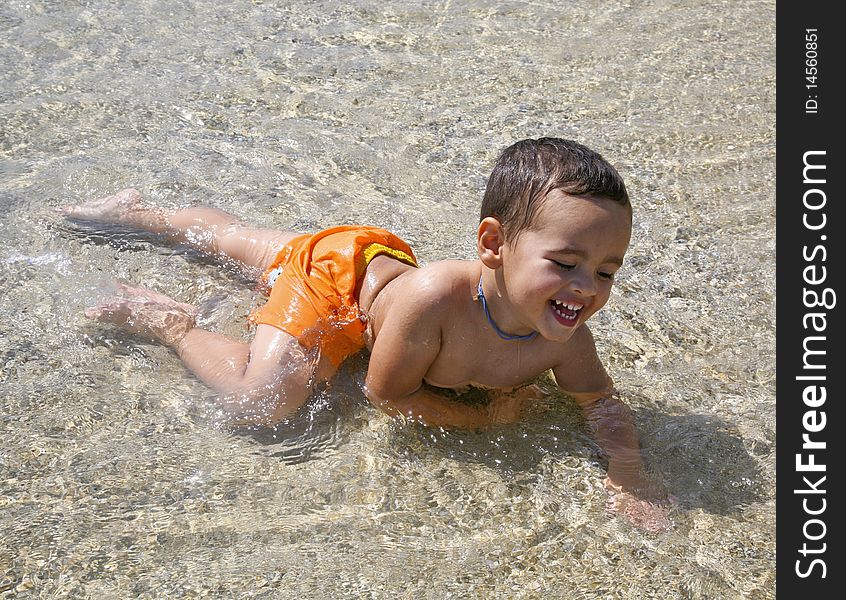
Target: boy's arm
612	424
582	376
405	347
633	495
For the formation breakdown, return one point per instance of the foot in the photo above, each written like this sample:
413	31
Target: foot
112	209
147	312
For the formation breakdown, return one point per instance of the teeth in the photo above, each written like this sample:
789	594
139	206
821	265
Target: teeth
570	306
559	306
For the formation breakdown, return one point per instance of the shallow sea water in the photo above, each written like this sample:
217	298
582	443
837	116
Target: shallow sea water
114	480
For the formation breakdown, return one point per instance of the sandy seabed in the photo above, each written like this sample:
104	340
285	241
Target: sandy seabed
116	482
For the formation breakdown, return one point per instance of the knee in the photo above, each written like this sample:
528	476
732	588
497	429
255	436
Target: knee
202	218
233	241
265	404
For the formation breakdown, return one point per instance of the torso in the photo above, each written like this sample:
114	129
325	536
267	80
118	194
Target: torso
471	354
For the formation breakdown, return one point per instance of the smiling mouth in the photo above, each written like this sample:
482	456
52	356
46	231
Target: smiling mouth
566	313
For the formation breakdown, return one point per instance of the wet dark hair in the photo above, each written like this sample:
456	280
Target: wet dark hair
528	170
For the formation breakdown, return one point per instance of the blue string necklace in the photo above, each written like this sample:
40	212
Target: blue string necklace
480	295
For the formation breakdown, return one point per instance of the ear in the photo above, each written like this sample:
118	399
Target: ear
489	242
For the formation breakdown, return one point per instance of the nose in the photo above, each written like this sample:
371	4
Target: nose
583	283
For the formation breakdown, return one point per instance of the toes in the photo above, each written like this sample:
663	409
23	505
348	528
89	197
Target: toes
129	194
109	207
143	294
69	210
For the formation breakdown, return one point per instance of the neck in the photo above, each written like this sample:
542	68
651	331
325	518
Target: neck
480	295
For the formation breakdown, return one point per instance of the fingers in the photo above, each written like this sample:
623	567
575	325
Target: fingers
116	311
139	292
644	515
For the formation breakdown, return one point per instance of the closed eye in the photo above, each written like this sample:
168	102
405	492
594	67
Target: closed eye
569	267
565	266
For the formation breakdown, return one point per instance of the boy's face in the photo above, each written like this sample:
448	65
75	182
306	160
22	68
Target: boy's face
559	273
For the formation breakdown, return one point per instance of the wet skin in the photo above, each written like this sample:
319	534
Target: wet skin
424	325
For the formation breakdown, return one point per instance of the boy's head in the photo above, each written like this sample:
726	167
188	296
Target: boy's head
556	224
528	170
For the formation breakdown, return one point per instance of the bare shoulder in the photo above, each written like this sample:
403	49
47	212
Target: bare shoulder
419	299
435	286
578	368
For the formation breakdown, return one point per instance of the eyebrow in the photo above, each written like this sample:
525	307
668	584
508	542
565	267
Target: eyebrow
581	254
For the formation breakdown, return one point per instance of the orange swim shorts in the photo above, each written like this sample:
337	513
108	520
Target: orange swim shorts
312	285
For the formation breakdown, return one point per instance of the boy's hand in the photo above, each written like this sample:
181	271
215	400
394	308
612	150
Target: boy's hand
505	407
648	509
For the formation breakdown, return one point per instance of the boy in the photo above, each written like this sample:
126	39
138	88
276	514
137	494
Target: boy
555	225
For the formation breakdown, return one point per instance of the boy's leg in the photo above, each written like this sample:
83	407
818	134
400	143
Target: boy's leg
209	230
262	382
259	383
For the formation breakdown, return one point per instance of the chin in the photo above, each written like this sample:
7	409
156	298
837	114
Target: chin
559	333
